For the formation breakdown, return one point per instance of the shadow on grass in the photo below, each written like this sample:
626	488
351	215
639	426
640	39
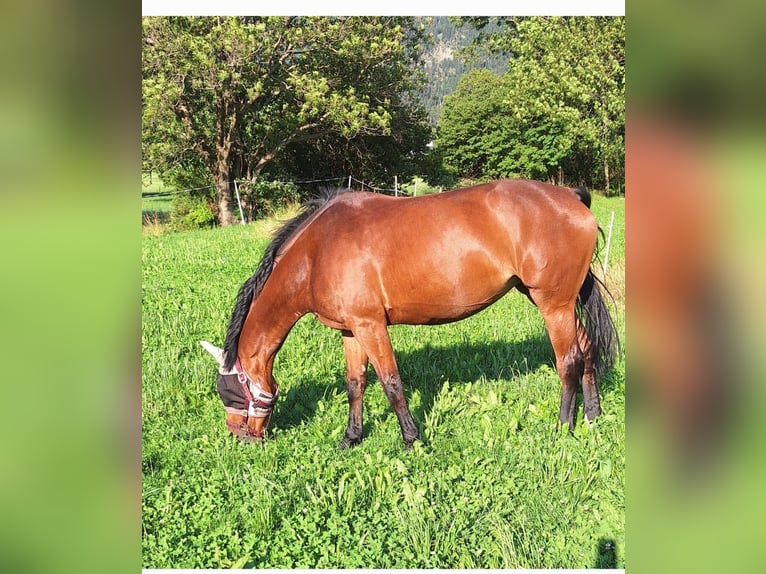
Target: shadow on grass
300	403
424	370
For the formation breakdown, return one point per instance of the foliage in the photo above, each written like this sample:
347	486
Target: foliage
557	113
262	198
493	485
223	98
418	186
472	127
436	171
370	158
190	211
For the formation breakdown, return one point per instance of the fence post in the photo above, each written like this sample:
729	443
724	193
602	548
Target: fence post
239	203
349	182
396	187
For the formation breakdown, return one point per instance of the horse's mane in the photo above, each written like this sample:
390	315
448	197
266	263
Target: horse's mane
253	286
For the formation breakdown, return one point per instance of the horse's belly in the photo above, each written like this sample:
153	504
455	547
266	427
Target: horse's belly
431	314
331	323
446	306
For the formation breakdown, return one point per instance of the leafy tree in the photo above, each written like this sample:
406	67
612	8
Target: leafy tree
472	126
568	79
562	115
369	157
225	98
444	63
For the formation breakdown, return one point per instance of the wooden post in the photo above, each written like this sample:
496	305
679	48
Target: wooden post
349	182
396	187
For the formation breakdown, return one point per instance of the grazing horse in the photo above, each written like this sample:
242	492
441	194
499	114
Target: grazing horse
362	261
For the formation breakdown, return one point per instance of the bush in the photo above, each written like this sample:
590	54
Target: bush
191	212
262	198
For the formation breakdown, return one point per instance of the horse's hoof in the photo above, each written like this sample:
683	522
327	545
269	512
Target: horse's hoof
349	442
408	443
592	413
250	439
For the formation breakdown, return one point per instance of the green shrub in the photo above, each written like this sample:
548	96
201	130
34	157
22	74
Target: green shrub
191	212
265	198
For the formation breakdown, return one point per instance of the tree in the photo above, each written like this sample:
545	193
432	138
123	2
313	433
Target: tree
567	78
562	109
471	127
223	98
370	157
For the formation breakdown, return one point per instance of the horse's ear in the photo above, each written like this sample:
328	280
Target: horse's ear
213	350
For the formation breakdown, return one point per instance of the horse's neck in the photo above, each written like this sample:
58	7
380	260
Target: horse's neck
272	315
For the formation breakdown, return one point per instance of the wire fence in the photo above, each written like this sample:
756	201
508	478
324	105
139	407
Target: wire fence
341	181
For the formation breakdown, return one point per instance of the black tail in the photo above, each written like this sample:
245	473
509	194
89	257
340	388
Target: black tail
583	195
594	316
253	286
593	313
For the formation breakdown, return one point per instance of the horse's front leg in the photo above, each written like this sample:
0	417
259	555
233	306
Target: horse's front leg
356	381
373	337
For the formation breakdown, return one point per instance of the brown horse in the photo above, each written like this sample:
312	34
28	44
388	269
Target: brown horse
363	261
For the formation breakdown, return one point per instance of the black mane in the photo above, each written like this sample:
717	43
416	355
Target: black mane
253	286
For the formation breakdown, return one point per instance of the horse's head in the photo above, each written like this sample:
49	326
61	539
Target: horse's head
248	407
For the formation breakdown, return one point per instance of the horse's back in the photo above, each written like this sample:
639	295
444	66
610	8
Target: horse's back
442	257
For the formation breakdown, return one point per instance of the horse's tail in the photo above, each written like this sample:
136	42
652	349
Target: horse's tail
595	318
253	286
593	313
582	194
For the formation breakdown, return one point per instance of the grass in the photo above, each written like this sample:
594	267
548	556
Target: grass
495	484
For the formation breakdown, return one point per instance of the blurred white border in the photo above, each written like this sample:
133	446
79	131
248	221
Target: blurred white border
391	7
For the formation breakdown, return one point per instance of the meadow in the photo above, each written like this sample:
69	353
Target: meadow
494	484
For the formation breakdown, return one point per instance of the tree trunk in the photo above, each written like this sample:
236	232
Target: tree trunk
222	175
606	176
226	123
225	203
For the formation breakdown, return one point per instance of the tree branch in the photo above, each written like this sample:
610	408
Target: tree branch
300	135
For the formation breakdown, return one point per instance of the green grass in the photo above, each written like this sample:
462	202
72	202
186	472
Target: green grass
495	484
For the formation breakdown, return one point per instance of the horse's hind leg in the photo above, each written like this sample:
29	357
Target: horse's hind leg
373	338
560	322
356	381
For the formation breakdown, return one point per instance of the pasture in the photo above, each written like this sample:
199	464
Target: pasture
495	483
